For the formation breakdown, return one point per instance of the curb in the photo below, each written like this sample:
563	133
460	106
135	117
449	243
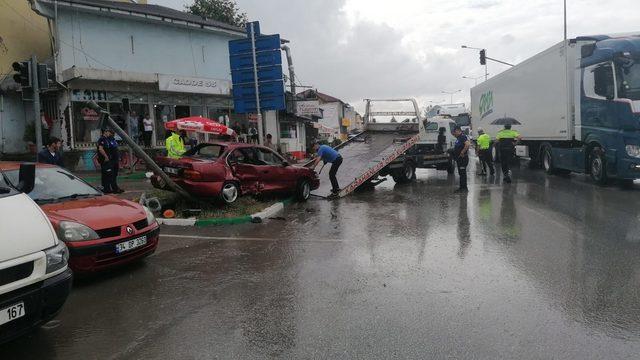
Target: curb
255	218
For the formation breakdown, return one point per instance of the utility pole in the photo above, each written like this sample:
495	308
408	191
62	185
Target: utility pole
565	21
255	79
36	102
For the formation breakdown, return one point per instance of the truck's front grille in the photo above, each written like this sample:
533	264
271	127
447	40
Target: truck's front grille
16	273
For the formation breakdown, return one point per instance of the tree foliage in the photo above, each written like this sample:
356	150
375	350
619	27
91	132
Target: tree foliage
226	11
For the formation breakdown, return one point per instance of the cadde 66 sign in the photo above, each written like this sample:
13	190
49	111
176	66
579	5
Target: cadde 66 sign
193	85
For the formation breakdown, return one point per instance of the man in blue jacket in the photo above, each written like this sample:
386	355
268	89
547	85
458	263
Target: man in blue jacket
51	152
328	155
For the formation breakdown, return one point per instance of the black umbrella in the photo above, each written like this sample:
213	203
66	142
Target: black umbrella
505	121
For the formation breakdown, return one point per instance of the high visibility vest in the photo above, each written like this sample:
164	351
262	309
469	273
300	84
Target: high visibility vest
175	146
507	134
484	141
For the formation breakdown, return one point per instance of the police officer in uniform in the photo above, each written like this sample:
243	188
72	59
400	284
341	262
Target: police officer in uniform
461	155
507	139
484	152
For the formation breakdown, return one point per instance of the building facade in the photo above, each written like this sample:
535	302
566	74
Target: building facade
163	63
22	33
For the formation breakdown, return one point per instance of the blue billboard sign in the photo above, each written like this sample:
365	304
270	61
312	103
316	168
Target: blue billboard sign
268	65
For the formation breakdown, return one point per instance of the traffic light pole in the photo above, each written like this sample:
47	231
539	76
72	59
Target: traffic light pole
36	102
255	80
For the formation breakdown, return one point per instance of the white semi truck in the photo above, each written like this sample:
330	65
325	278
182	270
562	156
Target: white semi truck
576	104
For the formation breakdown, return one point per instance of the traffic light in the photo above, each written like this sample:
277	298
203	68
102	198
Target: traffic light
483	57
45	76
23	76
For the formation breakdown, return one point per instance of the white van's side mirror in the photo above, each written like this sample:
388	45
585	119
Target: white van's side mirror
27	177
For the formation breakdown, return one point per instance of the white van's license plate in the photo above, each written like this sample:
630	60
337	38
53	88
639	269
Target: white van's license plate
131	244
11	313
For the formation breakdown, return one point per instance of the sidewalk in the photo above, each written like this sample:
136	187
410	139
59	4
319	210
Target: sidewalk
133	184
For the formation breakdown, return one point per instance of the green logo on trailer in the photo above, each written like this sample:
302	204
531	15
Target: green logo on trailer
486	104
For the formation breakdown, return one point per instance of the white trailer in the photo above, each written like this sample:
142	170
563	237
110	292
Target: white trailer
575	104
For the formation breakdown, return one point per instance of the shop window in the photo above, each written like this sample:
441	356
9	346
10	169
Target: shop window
85	122
196	111
288	130
163	113
182	111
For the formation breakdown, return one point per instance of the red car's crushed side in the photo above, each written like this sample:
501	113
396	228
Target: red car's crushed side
212	169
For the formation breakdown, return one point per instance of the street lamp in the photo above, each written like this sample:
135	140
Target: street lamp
451	93
473	78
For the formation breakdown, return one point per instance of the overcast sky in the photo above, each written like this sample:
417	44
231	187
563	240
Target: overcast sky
355	49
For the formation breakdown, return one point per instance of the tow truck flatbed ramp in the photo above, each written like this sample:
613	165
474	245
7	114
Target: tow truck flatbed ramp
363	157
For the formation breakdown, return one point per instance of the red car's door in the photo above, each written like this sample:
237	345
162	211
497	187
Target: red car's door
272	172
242	164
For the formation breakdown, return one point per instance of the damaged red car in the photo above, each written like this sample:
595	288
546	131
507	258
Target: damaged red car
226	171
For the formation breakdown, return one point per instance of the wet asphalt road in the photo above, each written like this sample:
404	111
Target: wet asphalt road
545	268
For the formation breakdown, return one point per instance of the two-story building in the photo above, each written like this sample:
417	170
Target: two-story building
165	63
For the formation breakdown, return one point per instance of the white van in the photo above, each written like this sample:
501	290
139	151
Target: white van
34	277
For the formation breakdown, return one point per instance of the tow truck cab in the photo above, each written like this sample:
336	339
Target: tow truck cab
34	277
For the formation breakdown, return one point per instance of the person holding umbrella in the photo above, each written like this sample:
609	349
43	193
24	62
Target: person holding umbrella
507	139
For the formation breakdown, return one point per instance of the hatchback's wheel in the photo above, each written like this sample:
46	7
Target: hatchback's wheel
304	190
229	193
598	166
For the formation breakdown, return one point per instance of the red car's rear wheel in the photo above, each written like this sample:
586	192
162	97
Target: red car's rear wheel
229	193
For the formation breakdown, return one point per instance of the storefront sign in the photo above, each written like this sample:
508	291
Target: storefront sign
89	114
193	85
308	108
88	95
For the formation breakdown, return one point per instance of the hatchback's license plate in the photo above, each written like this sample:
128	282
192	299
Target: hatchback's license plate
131	244
11	313
172	171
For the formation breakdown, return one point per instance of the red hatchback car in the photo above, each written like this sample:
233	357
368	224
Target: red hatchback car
101	231
227	170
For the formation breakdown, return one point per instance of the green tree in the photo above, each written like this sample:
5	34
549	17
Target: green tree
226	11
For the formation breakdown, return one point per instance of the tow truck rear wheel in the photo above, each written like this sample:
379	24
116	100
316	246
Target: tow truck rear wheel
406	174
450	166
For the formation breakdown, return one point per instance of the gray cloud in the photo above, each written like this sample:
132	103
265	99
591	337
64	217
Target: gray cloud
354	49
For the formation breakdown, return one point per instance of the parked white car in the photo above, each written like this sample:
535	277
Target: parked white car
34	276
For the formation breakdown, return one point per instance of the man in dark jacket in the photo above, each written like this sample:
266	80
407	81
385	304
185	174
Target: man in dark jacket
51	152
109	158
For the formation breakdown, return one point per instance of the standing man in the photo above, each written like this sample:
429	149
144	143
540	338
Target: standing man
269	143
484	152
461	155
253	134
109	159
175	144
147	125
51	153
328	155
507	139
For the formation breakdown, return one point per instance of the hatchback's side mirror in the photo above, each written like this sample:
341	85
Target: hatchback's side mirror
27	177
285	163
